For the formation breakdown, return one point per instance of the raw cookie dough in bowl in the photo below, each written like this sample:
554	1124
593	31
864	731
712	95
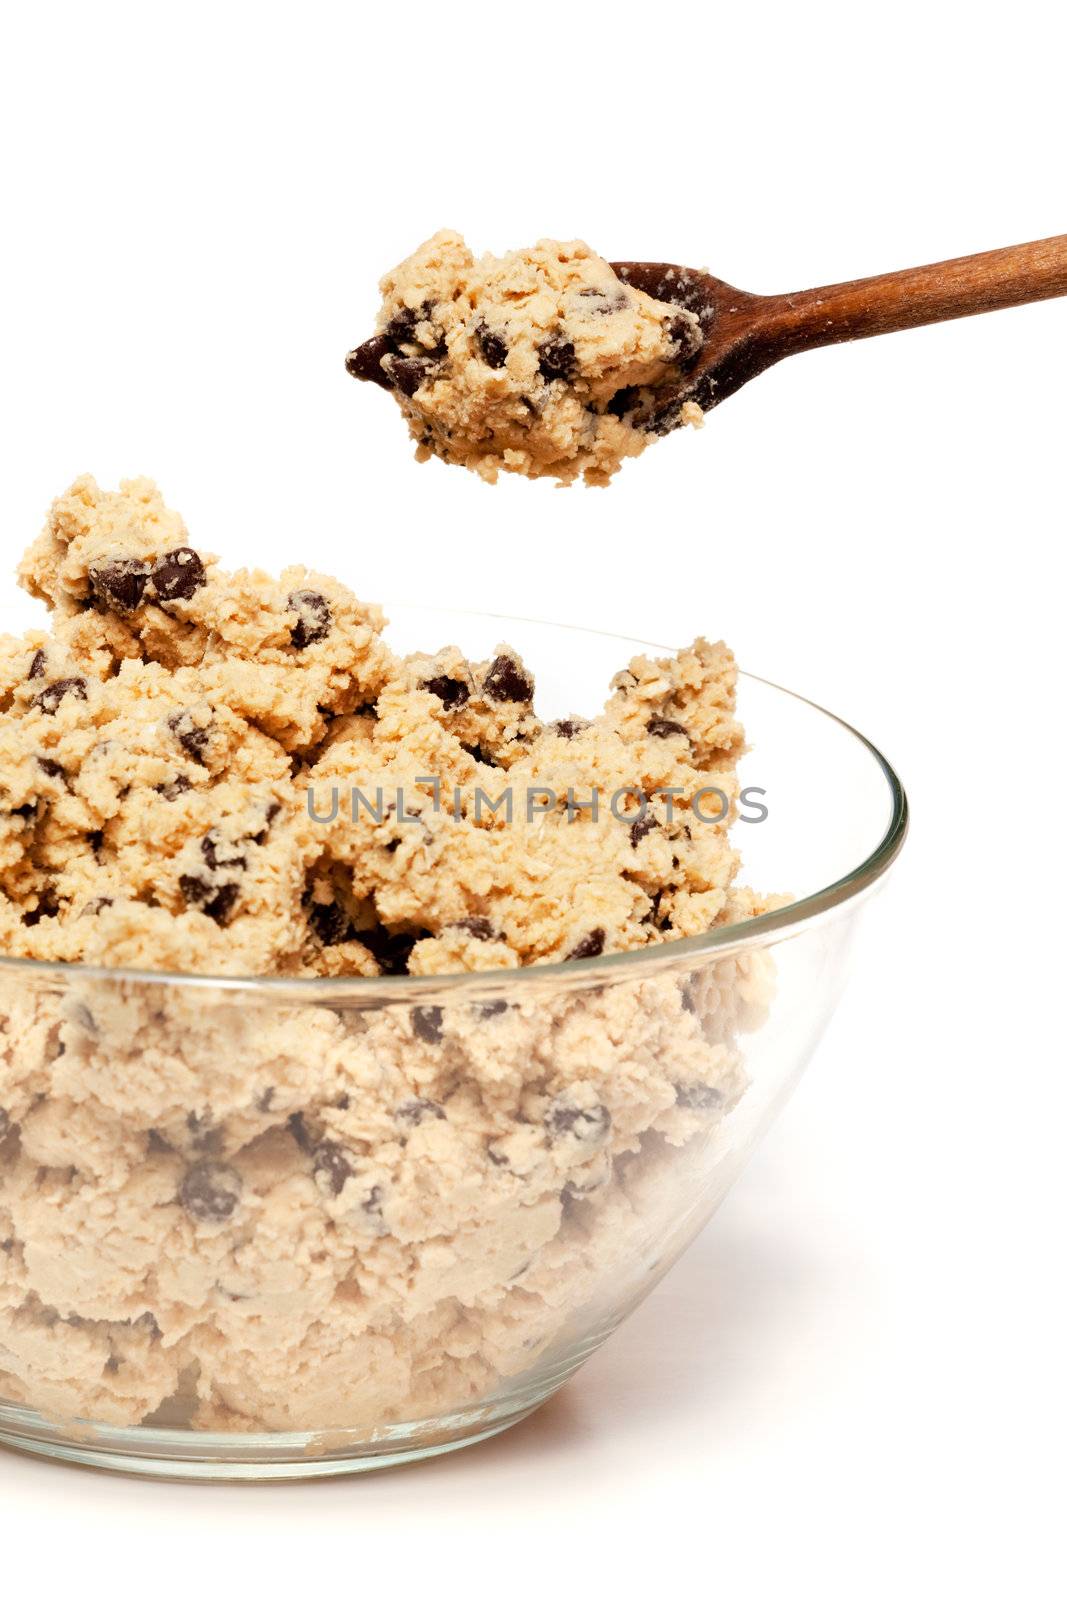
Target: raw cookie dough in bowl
487	1077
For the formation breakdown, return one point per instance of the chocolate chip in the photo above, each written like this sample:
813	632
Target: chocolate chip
372	1205
477	927
314	617
216	903
492	1008
492	346
685	335
426	1022
569	727
331	923
51	768
189	734
50	699
331	1167
273	811
591	945
698	1096
452	692
606	303
119	584
93	908
477	752
37	665
414	1112
365	362
664	728
556	358
211	1191
202	1131
390	950
218	852
506	680
400	329
177	575
587	1124
409	373
642	827
177	786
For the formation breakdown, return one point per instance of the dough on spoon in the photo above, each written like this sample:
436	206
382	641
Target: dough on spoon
528	362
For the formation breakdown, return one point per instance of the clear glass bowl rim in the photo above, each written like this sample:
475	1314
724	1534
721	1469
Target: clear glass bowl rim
456	986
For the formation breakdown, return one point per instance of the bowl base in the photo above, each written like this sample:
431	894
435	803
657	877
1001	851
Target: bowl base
190	1457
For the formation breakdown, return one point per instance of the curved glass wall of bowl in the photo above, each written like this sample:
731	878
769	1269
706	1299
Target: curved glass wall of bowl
275	1229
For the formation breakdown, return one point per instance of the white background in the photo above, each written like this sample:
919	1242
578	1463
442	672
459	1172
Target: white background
854	1381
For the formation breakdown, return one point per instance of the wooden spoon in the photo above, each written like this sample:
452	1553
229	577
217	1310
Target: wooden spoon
744	334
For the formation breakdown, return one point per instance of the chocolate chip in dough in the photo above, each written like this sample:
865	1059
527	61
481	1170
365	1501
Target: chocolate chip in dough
211	1191
493	347
506	681
685	335
697	1096
177	786
390	950
93	908
178	575
641	828
409	373
419	1110
592	944
330	923
331	1166
452	692
365	361
664	728
426	1022
119	584
556	358
587	1124
190	735
216	903
50	699
314	618
477	927
219	852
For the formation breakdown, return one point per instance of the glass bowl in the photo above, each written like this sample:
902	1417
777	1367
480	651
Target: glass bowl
201	1276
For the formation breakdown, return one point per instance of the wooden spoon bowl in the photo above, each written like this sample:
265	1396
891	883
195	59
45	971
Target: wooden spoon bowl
744	333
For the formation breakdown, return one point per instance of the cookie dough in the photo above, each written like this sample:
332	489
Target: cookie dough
532	362
275	1211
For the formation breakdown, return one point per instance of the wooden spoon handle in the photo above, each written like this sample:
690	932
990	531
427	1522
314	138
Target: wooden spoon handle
896	300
